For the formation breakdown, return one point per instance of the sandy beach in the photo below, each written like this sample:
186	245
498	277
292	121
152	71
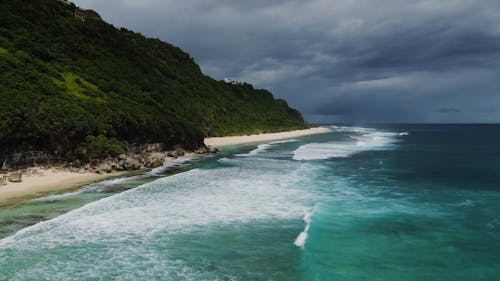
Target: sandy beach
49	180
54	179
235	140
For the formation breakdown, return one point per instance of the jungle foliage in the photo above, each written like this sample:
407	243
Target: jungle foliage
66	75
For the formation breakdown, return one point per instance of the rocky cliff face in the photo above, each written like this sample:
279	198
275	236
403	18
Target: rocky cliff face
137	157
82	14
70	82
85	15
134	157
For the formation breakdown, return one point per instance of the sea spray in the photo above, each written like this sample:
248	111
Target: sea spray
300	241
265	146
260	148
346	148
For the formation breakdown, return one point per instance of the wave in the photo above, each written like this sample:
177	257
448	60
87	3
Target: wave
300	241
466	203
176	163
352	129
284	141
224	160
265	146
57	197
181	203
341	149
260	148
96	187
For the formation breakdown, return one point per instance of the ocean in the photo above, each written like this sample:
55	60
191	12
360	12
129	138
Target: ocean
377	202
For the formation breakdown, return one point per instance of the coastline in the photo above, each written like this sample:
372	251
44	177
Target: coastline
48	180
58	179
218	142
55	179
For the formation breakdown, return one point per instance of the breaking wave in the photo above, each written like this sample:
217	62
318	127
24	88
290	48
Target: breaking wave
265	146
177	163
300	241
260	148
369	139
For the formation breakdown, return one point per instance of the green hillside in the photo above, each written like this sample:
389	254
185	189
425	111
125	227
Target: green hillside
65	75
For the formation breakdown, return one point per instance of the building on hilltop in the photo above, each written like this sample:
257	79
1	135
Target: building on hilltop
234	82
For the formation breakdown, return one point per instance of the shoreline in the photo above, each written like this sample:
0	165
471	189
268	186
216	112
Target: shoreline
56	179
49	180
218	142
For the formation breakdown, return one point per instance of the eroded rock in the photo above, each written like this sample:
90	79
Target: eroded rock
104	168
3	180
131	164
15	177
212	150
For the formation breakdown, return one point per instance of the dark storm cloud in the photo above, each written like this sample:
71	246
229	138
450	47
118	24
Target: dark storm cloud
449	110
359	61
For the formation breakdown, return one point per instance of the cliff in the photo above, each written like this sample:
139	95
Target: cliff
71	83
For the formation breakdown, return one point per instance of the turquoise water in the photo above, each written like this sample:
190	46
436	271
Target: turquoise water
31	211
407	202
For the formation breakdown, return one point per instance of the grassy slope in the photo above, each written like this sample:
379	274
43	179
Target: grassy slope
63	78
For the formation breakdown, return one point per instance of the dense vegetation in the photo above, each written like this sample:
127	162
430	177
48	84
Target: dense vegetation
66	75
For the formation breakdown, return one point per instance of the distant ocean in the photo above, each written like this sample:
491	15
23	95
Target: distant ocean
388	203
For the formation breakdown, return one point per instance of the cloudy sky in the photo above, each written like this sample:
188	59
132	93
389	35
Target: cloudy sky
340	60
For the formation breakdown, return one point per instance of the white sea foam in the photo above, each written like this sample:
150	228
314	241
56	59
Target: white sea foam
176	163
181	203
341	149
352	129
260	148
265	146
56	197
284	141
98	186
404	133
300	241
466	203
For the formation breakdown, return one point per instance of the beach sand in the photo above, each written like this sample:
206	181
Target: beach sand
235	140
49	180
54	179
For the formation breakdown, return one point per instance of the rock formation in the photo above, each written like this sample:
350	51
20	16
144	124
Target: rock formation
3	180
15	177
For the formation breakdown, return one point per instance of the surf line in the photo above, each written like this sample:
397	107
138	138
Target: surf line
300	241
